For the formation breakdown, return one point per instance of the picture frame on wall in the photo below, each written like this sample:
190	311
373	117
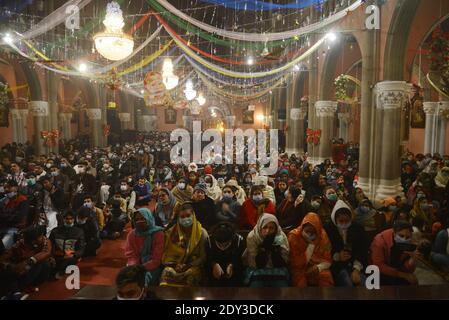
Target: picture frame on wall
248	117
417	114
170	116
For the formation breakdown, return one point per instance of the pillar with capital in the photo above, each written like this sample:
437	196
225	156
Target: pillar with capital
39	110
343	128
325	113
295	135
94	115
19	124
230	122
65	119
125	120
390	98
430	108
146	123
443	112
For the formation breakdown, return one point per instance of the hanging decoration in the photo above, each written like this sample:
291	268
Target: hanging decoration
342	84
255	5
438	76
4	105
50	137
113	82
154	90
106	130
181	104
169	79
190	92
313	136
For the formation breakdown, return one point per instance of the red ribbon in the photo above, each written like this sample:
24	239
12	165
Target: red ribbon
313	136
50	137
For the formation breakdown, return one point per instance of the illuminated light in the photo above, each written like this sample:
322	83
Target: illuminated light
170	81
331	36
296	68
201	100
250	61
8	39
260	117
82	67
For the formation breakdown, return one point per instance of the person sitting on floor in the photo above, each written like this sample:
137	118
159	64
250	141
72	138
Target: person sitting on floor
96	213
440	250
85	222
224	251
310	254
131	284
292	209
145	245
116	217
165	206
349	247
254	207
183	191
392	251
68	244
26	264
266	254
203	206
184	250
228	209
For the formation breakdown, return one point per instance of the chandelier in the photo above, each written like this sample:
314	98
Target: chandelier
201	99
169	79
113	43
189	91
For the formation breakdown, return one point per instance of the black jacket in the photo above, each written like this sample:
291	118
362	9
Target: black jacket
205	212
290	216
58	199
68	238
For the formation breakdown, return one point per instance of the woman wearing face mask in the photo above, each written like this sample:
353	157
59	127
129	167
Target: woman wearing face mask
253	208
224	250
349	247
228	209
165	206
279	191
365	216
247	182
423	209
184	250
330	198
266	254
238	191
292	209
145	245
85	222
213	190
182	192
393	252
310	254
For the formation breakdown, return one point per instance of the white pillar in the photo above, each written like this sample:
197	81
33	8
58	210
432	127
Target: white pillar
146	123
443	109
230	122
430	108
39	110
66	127
125	120
391	97
152	122
343	130
16	125
325	112
94	115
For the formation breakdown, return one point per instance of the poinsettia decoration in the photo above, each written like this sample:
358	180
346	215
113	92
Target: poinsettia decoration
50	137
313	136
106	130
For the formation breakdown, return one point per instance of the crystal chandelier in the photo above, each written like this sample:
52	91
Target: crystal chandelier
169	79
113	43
201	100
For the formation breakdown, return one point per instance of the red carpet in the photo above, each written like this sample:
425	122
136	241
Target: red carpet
99	270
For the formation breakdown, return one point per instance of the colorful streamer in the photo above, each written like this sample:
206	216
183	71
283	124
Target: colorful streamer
255	5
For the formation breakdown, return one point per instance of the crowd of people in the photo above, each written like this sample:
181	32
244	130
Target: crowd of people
214	224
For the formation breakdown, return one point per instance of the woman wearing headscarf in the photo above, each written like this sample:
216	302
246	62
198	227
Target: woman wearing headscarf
280	190
268	191
228	209
240	194
254	207
145	245
213	191
184	250
165	206
422	209
365	216
349	247
266	254
330	198
182	192
292	209
224	251
310	254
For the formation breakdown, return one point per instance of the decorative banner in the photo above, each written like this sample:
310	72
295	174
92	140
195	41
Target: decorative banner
50	137
255	5
313	136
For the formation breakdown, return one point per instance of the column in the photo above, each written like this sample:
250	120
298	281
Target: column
296	131
52	95
125	120
430	108
96	130
16	125
443	110
146	123
325	112
66	127
39	110
139	120
23	125
230	122
390	98
152	122
343	130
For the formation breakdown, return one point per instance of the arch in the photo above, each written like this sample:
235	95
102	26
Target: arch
397	38
33	81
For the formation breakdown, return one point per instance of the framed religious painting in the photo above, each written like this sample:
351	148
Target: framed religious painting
248	117
417	114
170	116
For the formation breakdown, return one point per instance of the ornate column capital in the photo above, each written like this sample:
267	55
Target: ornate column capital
94	113
297	113
392	94
124	116
24	113
430	108
343	116
66	115
325	108
39	108
15	113
443	107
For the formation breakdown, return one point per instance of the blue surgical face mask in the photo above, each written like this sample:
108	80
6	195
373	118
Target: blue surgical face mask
69	225
315	204
11	194
227	195
364	209
186	222
399	239
308	237
258	198
31	181
89	205
332	197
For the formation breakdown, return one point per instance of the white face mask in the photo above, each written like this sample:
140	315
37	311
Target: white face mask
181	185
138	298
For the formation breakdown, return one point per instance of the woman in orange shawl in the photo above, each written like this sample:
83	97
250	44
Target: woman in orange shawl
310	254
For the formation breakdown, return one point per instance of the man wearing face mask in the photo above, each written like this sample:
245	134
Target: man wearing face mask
130	283
394	253
224	250
349	247
14	209
84	184
68	244
96	213
18	176
26	264
60	180
89	226
39	171
182	191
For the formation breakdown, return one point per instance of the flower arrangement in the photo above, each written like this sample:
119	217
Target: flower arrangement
4	98
439	57
341	87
